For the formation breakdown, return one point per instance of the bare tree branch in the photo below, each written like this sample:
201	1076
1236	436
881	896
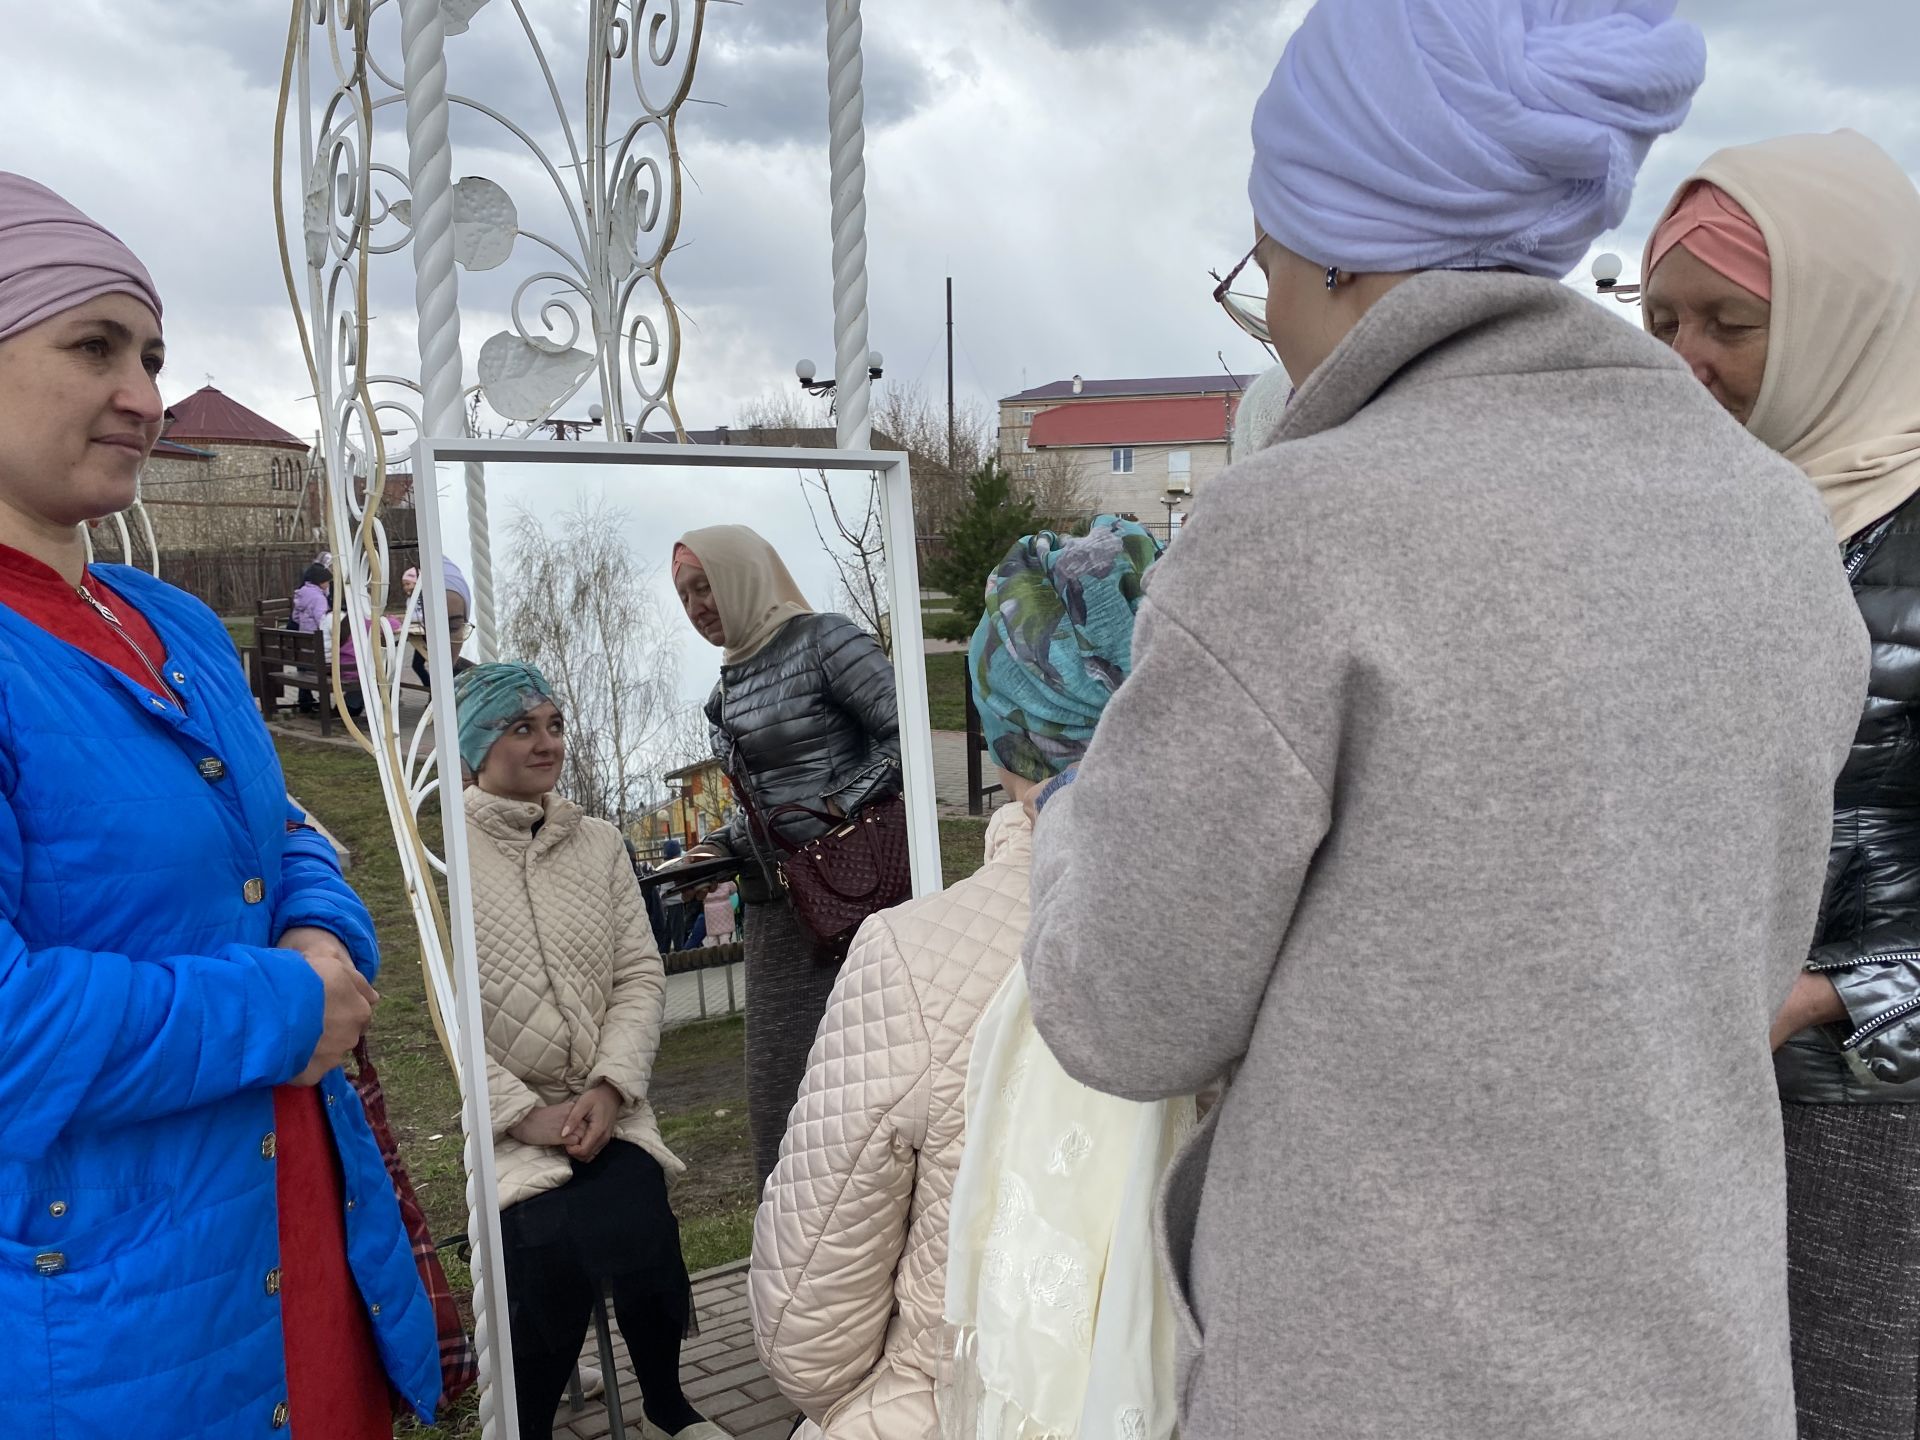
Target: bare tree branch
580	607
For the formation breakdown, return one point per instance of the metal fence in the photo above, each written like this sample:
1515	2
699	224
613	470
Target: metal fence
705	984
234	582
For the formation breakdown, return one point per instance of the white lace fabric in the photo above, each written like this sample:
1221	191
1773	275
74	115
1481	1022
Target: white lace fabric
1059	1323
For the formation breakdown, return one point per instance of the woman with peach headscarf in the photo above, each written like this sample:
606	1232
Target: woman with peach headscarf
1788	275
804	715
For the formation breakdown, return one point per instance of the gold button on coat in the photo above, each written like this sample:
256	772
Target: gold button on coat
255	891
280	1416
57	1209
273	1281
212	768
269	1146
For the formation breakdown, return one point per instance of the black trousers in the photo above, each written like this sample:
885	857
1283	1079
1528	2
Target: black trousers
607	1230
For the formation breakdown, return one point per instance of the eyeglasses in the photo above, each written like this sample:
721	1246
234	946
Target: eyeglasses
1247	317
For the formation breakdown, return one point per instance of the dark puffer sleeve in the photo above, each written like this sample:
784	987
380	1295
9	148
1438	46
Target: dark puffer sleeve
1877	975
731	837
860	680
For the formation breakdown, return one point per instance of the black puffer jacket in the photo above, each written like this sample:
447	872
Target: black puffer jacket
1868	941
809	720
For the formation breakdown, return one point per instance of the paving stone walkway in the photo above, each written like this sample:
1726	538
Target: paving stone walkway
718	1370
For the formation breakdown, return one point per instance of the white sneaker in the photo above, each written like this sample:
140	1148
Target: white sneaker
592	1383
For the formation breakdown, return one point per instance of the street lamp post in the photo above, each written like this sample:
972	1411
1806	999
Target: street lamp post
807	372
1607	270
564	429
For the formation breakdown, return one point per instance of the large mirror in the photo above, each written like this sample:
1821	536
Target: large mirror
686	771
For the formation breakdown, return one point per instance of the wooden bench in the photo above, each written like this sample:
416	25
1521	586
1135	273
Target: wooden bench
281	657
296	658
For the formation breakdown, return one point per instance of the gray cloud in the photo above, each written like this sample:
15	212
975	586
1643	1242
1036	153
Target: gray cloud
774	22
760	93
1076	165
1864	43
1089	24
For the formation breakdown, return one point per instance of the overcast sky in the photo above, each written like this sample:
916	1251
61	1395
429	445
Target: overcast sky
1075	165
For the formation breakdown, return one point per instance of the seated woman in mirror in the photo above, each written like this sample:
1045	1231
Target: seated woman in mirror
572	990
803	715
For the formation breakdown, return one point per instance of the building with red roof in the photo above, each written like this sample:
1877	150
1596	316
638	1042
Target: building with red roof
1135	446
211	418
226	477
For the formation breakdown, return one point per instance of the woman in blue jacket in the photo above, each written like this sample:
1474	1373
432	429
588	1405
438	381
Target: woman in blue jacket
182	967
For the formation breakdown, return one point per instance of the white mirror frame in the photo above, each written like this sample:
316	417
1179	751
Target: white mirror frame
916	765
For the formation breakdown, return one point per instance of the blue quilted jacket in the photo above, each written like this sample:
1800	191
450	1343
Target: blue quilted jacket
146	864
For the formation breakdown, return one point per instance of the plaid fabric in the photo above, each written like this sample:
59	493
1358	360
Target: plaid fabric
459	1362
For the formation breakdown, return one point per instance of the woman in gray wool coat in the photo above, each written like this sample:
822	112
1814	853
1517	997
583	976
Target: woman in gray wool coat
1519	676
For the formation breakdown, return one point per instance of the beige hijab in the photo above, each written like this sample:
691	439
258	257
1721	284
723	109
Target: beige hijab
1841	394
750	584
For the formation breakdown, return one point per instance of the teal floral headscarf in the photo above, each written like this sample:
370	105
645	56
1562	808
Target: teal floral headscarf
488	699
1056	641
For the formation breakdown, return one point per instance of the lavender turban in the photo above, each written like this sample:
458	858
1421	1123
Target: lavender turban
457	583
1466	134
53	258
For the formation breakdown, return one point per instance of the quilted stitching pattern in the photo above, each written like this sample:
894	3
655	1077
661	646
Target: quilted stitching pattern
571	984
813	718
850	1243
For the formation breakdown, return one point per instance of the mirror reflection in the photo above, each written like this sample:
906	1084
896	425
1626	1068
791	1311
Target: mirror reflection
683	793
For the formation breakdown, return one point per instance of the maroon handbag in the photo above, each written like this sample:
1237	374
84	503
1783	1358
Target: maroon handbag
858	868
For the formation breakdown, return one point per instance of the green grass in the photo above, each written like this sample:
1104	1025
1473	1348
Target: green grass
947	690
700	1097
962	846
241	629
709	1241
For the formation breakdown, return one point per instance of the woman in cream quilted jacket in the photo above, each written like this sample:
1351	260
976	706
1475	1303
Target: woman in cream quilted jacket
849	1283
571	987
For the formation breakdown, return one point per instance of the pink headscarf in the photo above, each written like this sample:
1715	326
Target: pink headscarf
1719	233
53	258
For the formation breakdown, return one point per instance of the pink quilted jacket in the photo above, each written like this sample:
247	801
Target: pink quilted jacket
850	1245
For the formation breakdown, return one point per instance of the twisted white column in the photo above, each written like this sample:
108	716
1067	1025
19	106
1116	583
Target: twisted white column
437	298
846	124
436	285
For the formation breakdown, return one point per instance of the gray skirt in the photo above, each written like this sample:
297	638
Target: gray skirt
787	992
1853	1249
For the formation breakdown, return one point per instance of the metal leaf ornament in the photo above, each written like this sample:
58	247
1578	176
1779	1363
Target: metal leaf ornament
456	13
317	219
524	379
485	224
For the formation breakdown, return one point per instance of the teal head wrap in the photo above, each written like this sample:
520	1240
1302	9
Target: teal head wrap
488	699
1056	641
